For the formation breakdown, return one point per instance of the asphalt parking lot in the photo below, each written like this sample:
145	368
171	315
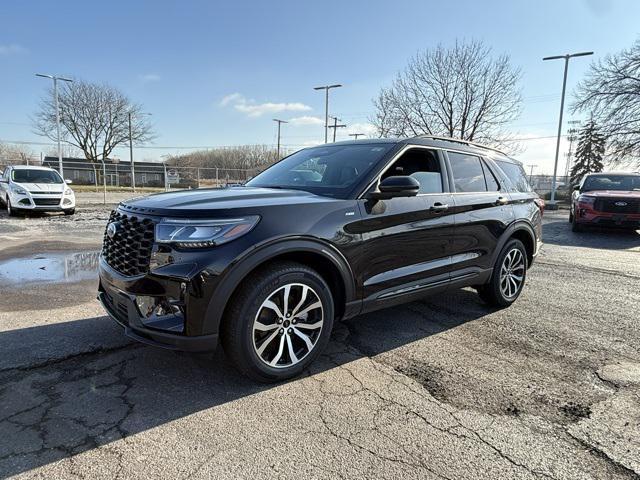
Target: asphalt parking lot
441	388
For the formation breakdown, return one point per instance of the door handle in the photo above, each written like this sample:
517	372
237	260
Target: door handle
502	201
439	207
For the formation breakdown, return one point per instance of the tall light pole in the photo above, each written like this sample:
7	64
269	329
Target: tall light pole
335	127
279	123
356	135
326	89
552	203
133	171
55	79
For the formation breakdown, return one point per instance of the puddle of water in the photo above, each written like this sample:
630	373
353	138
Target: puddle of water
49	268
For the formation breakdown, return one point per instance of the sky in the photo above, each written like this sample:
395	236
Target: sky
217	73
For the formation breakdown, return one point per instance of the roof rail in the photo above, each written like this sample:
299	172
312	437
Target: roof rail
464	142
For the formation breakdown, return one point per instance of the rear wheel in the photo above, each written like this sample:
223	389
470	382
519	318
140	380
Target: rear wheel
508	277
278	322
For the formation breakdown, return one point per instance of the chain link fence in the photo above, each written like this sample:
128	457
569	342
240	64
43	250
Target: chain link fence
154	175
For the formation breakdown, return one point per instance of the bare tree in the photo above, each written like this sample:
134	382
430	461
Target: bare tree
17	154
461	92
611	94
93	117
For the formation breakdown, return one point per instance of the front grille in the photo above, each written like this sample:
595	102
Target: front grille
626	205
129	250
47	201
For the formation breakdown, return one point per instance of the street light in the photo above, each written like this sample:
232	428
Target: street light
551	205
133	172
55	79
326	89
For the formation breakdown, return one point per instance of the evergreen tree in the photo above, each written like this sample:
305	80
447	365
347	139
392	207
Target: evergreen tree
589	152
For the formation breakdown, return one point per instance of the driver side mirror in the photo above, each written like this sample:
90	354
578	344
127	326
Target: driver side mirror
397	186
576	187
68	181
3	180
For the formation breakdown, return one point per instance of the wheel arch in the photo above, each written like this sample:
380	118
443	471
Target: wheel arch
523	231
318	255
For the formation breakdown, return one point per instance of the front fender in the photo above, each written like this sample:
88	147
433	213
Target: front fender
246	263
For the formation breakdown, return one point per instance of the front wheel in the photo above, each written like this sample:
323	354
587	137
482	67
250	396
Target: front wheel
278	321
575	226
10	210
508	277
71	211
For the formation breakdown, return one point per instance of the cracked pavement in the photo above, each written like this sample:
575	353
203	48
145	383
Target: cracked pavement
444	388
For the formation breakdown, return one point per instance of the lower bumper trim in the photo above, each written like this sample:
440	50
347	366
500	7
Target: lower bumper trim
201	343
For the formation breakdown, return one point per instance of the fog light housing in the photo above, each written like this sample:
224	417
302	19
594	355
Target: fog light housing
161	313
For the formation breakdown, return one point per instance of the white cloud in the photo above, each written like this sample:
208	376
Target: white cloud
149	78
231	98
12	49
368	129
306	120
252	109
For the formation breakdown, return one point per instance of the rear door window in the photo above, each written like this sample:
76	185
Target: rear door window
468	173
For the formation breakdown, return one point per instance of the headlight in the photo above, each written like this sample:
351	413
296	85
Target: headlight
68	191
586	199
20	191
203	233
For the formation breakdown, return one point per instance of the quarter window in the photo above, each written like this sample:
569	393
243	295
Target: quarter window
516	175
492	183
468	173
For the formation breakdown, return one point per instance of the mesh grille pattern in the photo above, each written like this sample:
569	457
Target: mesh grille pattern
129	250
47	201
609	205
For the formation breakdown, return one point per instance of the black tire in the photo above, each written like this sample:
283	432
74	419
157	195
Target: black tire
575	226
237	331
492	293
10	210
571	216
71	211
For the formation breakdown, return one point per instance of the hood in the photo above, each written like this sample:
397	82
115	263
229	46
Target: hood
42	187
204	201
613	193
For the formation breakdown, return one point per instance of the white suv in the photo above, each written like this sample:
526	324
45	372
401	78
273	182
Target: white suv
27	189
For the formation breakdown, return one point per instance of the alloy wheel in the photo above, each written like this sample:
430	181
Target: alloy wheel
288	325
512	273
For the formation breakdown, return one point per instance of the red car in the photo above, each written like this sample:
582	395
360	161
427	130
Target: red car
608	200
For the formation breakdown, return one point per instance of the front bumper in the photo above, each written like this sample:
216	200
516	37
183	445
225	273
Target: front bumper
121	307
43	203
606	219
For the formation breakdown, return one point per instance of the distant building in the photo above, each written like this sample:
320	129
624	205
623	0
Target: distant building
118	172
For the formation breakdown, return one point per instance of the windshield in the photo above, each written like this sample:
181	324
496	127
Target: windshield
331	170
35	176
611	182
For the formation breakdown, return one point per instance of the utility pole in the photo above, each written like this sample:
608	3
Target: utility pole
326	89
279	123
133	171
572	138
551	205
335	127
531	174
55	79
356	135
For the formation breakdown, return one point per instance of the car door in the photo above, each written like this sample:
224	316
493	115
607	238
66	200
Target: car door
483	213
406	240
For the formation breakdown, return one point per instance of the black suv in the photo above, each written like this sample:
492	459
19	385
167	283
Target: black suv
327	233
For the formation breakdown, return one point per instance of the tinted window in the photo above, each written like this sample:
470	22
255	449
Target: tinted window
611	182
516	174
468	175
332	170
492	183
35	176
421	164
